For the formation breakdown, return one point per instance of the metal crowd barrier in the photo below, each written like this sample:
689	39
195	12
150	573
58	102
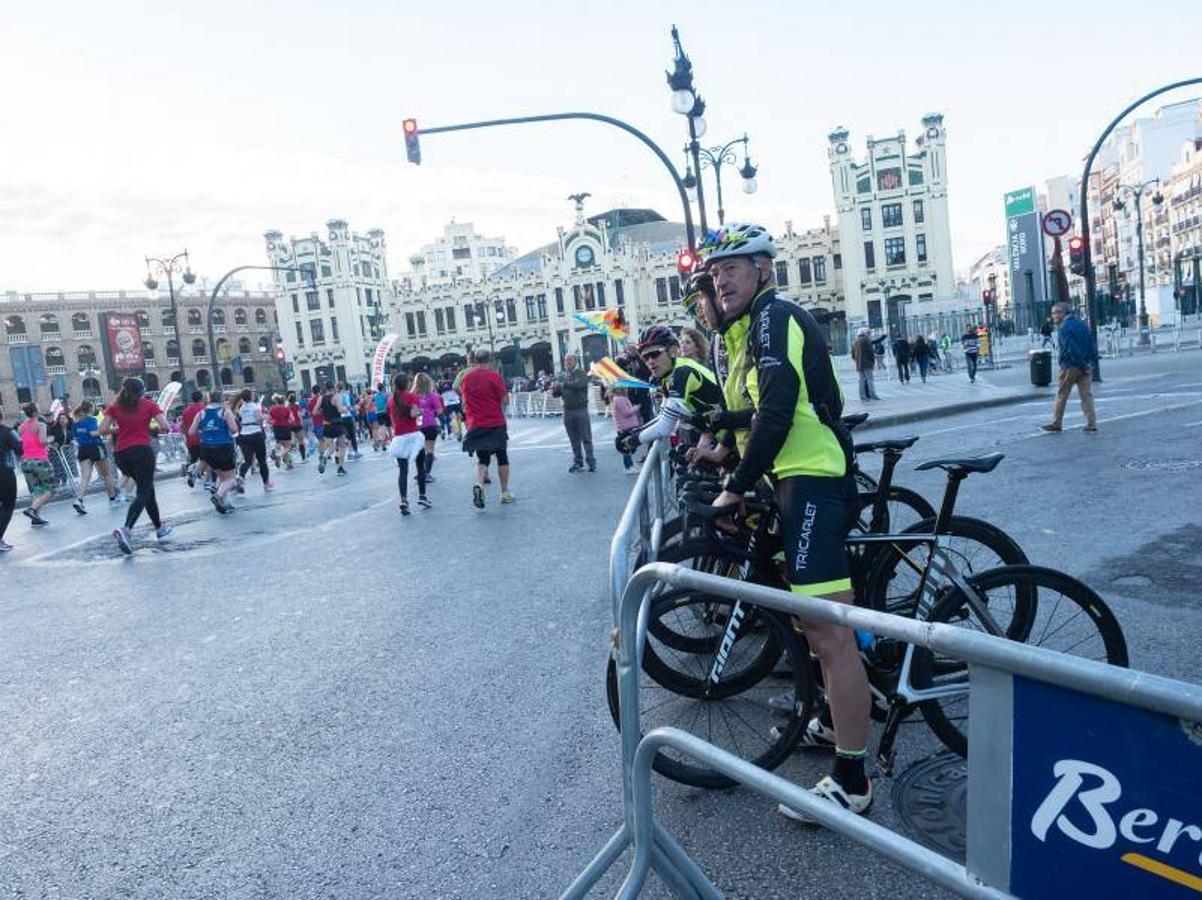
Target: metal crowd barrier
1042	724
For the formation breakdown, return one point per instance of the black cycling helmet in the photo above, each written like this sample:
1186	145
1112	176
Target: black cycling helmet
657	336
700	282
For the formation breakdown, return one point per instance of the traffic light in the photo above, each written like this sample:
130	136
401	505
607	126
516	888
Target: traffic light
279	354
1076	255
685	261
412	148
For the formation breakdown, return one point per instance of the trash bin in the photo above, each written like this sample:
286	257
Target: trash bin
1041	367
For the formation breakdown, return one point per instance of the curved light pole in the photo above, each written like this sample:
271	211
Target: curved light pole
1137	191
309	276
1087	255
170	267
715	157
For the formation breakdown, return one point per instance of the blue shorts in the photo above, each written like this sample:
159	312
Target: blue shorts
371	417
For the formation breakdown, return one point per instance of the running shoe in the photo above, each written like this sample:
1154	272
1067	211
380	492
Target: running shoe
122	536
275	457
79	507
217	504
321	464
269	485
829	789
404	507
487	479
356	455
574	468
5	547
592	467
508	497
35	519
424	502
341	471
162	534
815	737
114	500
190	477
477	496
240	485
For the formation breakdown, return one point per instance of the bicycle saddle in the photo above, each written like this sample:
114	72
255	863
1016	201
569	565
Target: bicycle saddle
855	419
963	464
897	444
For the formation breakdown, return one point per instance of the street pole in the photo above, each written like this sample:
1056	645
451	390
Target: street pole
695	150
1139	239
169	267
213	302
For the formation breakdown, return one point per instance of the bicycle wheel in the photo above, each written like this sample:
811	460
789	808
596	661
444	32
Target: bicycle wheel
904	508
1067	616
731	709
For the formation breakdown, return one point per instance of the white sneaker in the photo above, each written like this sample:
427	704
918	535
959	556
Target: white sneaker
829	789
162	534
122	536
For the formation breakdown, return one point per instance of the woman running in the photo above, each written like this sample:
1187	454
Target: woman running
452	411
252	441
281	428
430	403
131	414
35	464
216	428
333	430
407	441
302	426
10	447
91	454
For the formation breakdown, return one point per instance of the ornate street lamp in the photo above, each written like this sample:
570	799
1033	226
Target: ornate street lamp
1137	191
169	268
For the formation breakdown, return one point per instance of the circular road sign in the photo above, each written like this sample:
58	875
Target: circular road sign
1057	222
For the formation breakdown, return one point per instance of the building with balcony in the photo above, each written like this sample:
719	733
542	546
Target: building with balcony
459	255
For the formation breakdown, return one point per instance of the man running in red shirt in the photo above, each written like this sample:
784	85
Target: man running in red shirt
484	396
196	466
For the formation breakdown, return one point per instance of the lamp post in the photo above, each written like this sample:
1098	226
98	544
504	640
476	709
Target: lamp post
714	158
170	267
500	316
307	273
990	303
687	102
1137	191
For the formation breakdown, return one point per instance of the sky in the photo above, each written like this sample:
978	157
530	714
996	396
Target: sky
130	129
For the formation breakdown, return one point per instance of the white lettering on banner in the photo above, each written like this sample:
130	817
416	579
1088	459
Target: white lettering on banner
1104	789
380	357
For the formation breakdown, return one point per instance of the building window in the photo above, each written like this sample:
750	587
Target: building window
439	326
600	295
531	315
541	299
469	316
920	247
334	330
782	273
559	301
330	297
312	301
451	318
409	326
838	257
820	268
295	304
461	253
290	275
300	335
661	291
874	314
916	176
511	310
367	295
866	218
888	179
895	251
317	331
619	293
674	284
325	271
803	272
923	298
919	216
891	215
576	298
869	256
421	322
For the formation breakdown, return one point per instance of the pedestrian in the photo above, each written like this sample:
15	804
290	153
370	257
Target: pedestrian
933	352
10	449
407	447
865	360
901	356
693	345
91	454
878	350
216	428
484	397
131	415
1045	331
922	355
35	463
945	352
971	345
281	417
572	386
333	431
452	409
1078	355
251	440
626	418
429	401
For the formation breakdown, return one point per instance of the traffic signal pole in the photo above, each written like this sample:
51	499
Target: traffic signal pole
690	233
1090	280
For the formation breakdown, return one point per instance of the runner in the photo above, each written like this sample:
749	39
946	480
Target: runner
346	404
430	403
406	446
302	426
215	428
251	440
196	466
10	448
319	427
282	422
484	397
452	411
383	426
35	464
131	414
333	431
91	453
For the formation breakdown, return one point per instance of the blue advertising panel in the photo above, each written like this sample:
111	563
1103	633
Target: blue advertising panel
1107	799
21	373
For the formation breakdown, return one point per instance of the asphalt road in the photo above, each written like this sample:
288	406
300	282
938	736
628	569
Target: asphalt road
315	697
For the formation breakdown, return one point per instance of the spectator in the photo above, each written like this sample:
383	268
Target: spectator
901	355
878	349
865	359
1045	331
922	356
694	345
945	351
933	349
626	418
1078	355
573	387
972	349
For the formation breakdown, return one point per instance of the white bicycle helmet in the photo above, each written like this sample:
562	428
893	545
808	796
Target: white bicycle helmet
741	239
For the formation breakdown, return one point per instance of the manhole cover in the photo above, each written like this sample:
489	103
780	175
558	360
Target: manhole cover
1164	465
931	797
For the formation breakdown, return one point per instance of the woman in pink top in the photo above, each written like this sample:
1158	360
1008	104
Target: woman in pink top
35	464
626	418
429	401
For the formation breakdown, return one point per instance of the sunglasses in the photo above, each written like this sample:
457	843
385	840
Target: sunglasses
649	355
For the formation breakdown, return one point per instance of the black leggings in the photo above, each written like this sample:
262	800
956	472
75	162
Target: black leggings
254	449
352	431
402	475
8	497
138	464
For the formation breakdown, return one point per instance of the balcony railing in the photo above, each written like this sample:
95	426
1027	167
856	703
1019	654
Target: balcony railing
196	329
83	335
169	331
56	370
19	337
200	360
218	329
172	362
48	336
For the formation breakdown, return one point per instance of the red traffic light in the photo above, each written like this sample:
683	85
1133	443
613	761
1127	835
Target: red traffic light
685	261
410	126
413	150
279	354
1075	243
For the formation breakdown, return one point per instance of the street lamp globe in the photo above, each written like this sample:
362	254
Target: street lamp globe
750	185
699	126
150	283
189	276
690	185
682	101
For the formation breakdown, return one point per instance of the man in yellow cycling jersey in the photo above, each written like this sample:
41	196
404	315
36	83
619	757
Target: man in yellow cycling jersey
796	439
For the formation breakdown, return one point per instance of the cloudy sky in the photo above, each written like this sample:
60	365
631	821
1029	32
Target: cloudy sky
135	128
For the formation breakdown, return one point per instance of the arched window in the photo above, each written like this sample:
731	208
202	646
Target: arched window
177	375
173	351
86	356
167	318
244	345
202	377
81	325
219	316
193	318
151	381
14	325
227	376
55	358
49	325
147	350
91	388
143	318
239	316
198	348
263	344
248	375
260	317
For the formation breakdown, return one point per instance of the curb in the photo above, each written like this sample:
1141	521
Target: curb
952	409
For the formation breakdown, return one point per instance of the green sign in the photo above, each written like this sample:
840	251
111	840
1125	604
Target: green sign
1020	202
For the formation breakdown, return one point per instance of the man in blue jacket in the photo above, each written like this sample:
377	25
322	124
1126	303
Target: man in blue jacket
1078	353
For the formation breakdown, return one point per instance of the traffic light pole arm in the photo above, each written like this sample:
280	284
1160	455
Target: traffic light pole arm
213	302
595	117
1090	281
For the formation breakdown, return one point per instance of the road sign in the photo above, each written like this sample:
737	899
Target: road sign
1057	222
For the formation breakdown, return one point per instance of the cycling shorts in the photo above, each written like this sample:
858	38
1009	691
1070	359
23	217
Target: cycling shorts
816	514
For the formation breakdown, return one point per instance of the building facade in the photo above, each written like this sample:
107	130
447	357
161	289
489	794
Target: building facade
459	255
893	225
1183	195
333	296
54	343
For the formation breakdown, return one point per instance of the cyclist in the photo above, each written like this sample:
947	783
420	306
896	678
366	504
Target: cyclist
691	389
797	438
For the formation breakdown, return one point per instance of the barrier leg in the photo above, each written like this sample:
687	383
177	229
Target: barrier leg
676	853
609	854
